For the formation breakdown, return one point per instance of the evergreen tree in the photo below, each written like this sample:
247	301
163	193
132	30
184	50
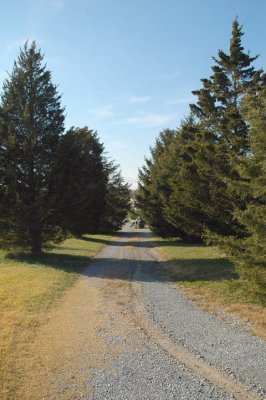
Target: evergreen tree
185	183
89	193
32	121
80	180
4	218
117	202
224	133
249	252
219	100
186	190
153	186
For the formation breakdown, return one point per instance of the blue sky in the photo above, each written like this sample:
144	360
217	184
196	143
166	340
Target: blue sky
126	68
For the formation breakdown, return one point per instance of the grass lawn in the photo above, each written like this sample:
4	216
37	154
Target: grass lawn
211	280
29	286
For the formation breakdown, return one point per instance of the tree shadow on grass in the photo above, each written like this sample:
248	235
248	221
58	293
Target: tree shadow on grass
110	242
197	268
202	269
116	236
65	262
175	242
124	269
190	269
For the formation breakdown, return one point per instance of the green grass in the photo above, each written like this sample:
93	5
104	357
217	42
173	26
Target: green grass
211	280
196	262
29	286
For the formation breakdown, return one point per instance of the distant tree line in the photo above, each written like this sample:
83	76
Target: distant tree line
206	180
52	182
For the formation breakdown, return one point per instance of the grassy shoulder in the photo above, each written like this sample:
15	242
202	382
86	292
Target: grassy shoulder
29	286
211	281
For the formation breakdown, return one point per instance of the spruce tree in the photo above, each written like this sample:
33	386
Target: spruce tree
219	101
249	252
117	203
185	183
89	192
153	187
224	133
32	121
186	190
80	180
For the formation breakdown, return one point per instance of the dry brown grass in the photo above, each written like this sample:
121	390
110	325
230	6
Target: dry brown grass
29	286
213	301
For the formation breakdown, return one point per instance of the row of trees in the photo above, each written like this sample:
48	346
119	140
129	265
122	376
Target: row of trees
52	182
206	180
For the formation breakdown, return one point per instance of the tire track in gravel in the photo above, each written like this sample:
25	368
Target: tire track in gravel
201	367
234	383
145	371
105	340
137	252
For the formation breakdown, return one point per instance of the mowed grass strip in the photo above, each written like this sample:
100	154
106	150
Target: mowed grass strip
29	286
211	281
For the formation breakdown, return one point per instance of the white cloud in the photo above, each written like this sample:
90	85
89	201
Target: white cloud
16	44
41	6
133	182
118	144
171	75
139	99
58	4
182	100
102	111
148	119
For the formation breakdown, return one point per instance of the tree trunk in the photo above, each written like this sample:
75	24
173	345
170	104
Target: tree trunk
36	241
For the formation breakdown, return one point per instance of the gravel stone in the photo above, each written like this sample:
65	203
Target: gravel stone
145	371
237	353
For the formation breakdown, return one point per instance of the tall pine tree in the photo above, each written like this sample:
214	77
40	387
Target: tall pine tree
186	190
80	180
249	252
224	133
185	183
153	186
117	202
32	121
88	191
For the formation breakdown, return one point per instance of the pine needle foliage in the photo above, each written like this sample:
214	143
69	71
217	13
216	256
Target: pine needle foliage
249	252
207	178
32	121
79	181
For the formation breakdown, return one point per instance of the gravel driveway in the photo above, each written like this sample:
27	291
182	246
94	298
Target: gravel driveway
124	333
180	352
